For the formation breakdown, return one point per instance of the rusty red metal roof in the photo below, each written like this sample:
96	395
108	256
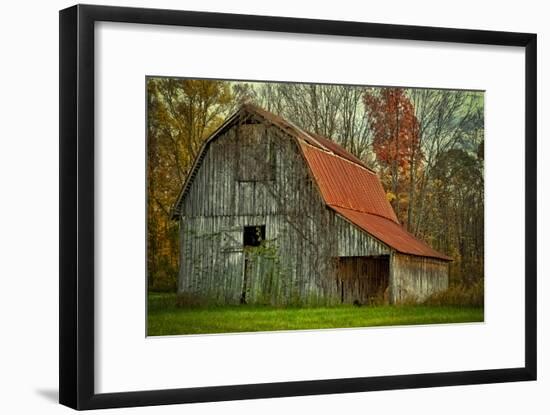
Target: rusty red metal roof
356	193
346	184
390	233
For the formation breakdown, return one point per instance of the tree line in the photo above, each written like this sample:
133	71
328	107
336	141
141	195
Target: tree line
425	144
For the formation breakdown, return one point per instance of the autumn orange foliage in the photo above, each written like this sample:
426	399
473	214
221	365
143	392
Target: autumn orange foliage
396	141
395	127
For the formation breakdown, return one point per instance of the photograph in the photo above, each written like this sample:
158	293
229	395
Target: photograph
271	208
302	206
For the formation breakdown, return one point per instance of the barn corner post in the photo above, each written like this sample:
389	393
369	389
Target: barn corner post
391	284
182	251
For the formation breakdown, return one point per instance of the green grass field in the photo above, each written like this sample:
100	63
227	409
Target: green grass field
164	318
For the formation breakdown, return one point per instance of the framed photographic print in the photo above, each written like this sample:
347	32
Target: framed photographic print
257	206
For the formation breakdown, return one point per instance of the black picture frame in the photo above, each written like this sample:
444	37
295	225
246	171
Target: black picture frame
76	279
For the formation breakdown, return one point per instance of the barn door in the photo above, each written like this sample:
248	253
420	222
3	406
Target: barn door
363	280
252	238
232	264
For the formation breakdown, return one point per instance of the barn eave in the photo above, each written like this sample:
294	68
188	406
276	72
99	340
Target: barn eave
415	250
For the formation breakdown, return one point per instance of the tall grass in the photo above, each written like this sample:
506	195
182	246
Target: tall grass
459	295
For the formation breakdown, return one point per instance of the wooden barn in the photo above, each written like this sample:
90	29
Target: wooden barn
272	214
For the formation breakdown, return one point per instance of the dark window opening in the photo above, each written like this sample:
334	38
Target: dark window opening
253	235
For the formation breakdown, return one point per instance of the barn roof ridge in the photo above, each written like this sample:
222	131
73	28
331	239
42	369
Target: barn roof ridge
317	139
331	153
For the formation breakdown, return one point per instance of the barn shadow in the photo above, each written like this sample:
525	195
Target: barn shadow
51	395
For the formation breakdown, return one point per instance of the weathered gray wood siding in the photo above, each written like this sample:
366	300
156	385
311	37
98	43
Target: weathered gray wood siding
354	242
294	264
414	278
